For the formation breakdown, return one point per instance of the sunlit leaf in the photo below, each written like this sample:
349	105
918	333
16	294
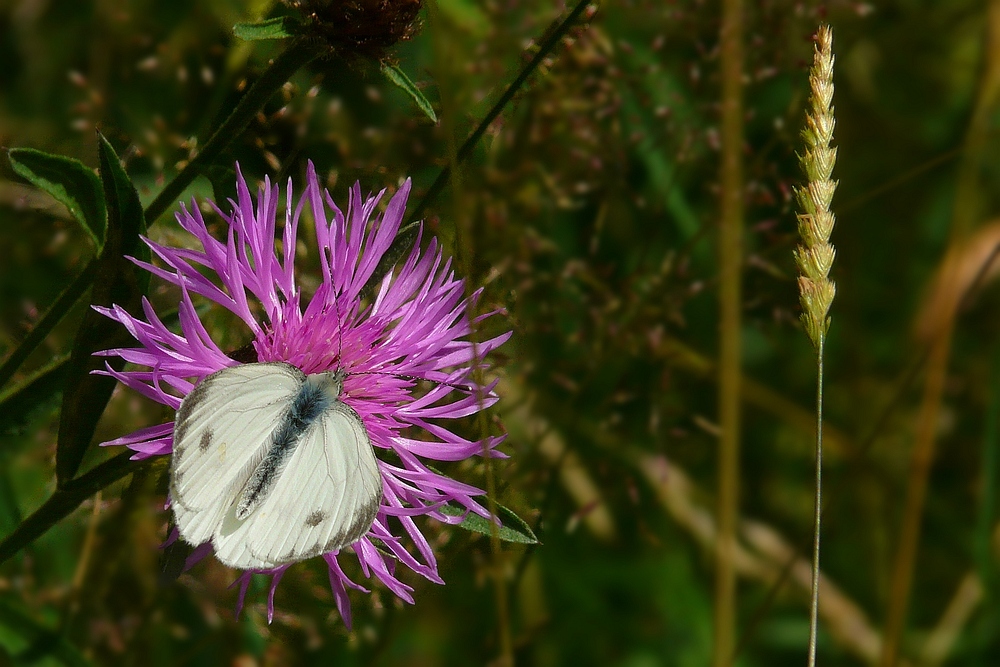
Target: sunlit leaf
277	28
512	529
70	182
398	77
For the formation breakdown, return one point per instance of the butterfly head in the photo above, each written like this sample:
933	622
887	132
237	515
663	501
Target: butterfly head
331	382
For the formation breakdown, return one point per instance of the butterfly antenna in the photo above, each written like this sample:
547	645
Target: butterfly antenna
461	387
340	332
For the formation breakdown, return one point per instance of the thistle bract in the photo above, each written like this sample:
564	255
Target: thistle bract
412	324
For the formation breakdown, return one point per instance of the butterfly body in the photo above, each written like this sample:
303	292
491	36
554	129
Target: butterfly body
271	466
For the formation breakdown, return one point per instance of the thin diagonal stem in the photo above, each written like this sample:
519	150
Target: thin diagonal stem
49	320
298	54
545	46
66	499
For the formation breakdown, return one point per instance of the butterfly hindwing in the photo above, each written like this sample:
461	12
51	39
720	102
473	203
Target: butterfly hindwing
325	498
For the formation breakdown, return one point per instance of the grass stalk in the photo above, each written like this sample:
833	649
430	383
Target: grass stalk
730	298
814	258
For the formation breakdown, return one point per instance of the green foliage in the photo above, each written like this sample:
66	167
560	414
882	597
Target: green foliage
398	77
118	282
512	529
275	28
70	182
588	202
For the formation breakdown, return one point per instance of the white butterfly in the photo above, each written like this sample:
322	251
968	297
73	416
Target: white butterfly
271	466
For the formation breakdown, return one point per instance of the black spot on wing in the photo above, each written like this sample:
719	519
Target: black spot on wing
183	418
315	518
206	440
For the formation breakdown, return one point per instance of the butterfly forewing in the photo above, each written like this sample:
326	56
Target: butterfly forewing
222	431
325	499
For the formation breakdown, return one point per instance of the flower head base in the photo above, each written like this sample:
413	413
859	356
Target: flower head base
414	327
360	28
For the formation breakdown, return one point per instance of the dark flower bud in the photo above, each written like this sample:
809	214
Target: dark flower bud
360	28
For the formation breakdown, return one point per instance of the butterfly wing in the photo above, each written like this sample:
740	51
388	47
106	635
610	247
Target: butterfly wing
326	498
222	431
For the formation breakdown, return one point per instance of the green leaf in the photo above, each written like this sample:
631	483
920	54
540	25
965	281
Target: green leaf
173	558
118	281
398	77
70	182
276	28
512	529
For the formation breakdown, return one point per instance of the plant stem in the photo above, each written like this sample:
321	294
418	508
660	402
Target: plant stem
730	296
49	320
818	506
408	234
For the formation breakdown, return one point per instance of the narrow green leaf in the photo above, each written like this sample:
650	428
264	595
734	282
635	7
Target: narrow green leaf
118	281
173	558
398	77
513	528
277	28
70	182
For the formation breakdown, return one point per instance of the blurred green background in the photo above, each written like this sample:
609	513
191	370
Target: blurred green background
593	205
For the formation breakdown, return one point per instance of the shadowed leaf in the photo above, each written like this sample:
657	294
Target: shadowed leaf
223	180
20	404
118	281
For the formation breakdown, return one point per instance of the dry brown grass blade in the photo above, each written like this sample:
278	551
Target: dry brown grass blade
937	647
762	556
975	263
844	618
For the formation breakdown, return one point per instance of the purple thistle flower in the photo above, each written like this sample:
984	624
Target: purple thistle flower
416	326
